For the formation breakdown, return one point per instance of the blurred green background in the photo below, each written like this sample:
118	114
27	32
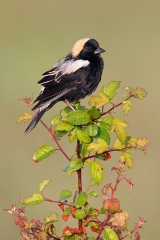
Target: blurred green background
36	34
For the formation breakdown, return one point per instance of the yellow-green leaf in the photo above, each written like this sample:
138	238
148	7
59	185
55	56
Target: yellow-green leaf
65	194
140	93
99	146
43	184
96	170
62	126
55	120
110	89
119	125
79	214
99	101
25	117
35	199
127	105
52	218
109	234
81	200
42	153
83	136
126	157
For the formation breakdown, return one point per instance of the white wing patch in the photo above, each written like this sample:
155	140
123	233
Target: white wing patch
74	65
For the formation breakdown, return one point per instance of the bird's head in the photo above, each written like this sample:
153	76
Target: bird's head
86	49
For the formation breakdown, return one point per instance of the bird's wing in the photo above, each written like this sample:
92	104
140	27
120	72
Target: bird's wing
65	66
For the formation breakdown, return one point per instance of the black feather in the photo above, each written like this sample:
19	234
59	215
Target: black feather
35	121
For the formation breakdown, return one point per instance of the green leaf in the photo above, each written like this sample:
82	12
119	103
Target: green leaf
96	171
55	120
79	214
99	146
35	199
52	218
92	129
119	125
102	210
84	152
109	234
76	164
126	157
107	122
103	134
65	194
93	193
62	126
42	153
94	113
81	200
127	105
83	136
64	112
77	118
110	89
43	184
72	136
140	93
60	134
99	101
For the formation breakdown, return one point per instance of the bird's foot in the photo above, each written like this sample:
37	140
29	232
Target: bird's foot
68	103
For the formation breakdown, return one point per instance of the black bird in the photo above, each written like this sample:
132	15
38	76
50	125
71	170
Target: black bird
71	78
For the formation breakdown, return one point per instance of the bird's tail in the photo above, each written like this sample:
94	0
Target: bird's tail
35	121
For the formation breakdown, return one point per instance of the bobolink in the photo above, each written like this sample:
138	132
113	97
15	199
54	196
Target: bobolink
71	78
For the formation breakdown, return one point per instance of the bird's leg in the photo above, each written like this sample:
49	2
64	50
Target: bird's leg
68	103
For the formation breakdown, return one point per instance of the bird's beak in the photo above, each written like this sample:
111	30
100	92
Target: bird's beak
99	50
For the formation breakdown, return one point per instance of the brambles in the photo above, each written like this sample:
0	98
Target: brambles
92	129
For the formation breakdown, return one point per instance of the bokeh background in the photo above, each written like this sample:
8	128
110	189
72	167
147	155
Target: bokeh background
36	34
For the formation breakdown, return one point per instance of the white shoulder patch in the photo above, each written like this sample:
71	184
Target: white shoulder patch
74	65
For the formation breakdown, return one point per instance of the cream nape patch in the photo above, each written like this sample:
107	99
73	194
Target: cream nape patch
78	46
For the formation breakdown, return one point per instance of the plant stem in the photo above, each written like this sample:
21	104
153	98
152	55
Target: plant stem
79	173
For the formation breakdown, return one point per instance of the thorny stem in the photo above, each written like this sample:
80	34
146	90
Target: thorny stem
59	202
79	173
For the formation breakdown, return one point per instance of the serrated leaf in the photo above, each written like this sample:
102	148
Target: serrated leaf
92	129
142	142
65	194
25	117
127	105
42	153
126	157
93	193
83	136
140	93
72	136
118	144
119	125
81	200
79	214
35	199
94	113
62	126
43	184
99	101
103	134
53	217
110	89
111	205
77	118
55	120
76	164
109	234
99	146
96	170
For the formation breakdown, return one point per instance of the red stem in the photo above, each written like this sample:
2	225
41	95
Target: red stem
79	173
